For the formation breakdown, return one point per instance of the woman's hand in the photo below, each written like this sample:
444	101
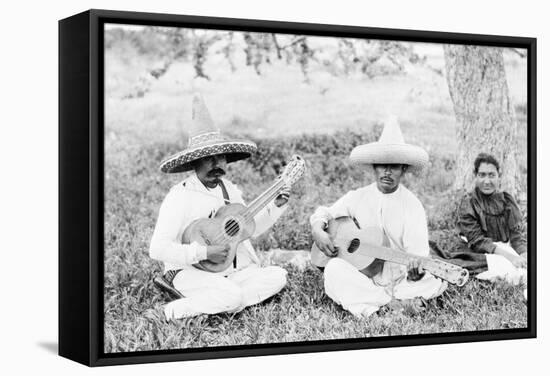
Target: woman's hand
518	261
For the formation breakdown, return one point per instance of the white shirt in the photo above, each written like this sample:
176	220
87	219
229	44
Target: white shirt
190	200
400	215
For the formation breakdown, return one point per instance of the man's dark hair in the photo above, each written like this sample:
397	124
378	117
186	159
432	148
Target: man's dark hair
485	158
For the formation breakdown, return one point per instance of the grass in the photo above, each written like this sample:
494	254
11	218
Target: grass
302	312
134	190
284	116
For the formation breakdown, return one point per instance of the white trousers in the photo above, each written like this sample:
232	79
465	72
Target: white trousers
361	296
499	267
211	293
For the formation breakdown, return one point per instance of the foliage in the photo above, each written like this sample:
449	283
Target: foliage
340	56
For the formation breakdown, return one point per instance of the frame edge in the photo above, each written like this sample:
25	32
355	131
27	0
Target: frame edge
74	221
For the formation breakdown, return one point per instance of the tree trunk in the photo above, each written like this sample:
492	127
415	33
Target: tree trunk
485	116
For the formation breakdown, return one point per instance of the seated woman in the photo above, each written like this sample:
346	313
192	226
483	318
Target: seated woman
490	222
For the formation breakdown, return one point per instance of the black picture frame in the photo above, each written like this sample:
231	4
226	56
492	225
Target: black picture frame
81	185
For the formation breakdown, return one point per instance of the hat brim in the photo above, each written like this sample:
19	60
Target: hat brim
382	153
182	161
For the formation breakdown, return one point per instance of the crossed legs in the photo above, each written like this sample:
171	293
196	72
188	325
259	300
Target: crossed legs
211	293
359	295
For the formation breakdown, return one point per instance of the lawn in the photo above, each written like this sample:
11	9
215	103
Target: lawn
301	312
133	306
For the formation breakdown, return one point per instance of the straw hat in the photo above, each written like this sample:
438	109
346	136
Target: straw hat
390	149
206	140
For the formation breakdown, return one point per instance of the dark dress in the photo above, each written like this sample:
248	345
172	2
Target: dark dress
483	220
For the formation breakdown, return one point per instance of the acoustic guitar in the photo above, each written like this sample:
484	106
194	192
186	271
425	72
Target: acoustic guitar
234	223
360	247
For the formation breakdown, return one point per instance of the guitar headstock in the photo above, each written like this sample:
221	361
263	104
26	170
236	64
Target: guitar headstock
450	272
294	170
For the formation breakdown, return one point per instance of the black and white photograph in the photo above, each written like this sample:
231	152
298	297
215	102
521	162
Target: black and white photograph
271	188
275	188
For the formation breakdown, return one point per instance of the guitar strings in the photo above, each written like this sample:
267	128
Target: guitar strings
254	207
251	211
221	239
256	204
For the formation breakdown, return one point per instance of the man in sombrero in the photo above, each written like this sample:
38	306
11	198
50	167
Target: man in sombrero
389	206
200	195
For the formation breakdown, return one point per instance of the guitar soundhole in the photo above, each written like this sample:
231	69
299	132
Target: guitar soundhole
232	227
354	245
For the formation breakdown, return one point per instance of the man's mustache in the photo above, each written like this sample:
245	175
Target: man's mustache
216	171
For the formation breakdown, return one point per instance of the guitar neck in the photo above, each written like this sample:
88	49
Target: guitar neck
391	255
293	171
265	198
452	273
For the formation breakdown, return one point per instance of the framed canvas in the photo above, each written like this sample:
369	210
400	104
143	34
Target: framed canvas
232	187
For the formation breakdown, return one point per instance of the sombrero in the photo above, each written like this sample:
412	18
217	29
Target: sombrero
206	140
390	149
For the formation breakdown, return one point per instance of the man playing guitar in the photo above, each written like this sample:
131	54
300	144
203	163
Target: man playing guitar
213	275
391	208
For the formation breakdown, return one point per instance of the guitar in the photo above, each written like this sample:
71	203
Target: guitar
234	223
360	247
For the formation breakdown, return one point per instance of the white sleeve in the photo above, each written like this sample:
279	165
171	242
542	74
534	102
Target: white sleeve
415	236
165	245
267	217
344	207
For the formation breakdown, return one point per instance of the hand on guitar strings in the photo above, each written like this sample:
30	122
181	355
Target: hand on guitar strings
217	253
282	198
415	270
323	240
